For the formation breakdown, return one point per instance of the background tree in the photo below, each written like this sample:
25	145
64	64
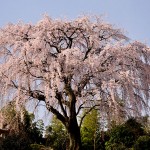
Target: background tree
70	65
90	131
143	142
125	135
145	121
22	129
56	135
11	118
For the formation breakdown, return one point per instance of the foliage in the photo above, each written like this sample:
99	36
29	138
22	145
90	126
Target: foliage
125	135
56	135
135	127
22	130
115	146
10	117
142	143
121	135
16	141
90	131
70	65
145	121
35	132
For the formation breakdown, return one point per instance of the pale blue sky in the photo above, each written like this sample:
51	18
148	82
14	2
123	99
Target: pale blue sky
131	15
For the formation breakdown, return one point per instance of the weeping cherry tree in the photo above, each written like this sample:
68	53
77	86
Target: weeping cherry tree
74	65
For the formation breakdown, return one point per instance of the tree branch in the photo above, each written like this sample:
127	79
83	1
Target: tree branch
60	101
91	108
57	114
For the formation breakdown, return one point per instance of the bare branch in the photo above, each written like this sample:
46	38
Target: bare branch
86	113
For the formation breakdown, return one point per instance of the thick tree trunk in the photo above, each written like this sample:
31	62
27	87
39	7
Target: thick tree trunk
74	135
71	123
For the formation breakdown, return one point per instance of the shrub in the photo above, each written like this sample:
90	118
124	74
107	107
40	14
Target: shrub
121	134
124	135
114	146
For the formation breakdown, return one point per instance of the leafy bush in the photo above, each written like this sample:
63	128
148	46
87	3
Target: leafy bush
121	134
124	136
114	146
